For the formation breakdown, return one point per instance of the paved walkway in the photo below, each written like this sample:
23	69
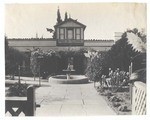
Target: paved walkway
71	100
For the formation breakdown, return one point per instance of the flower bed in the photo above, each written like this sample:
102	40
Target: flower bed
118	101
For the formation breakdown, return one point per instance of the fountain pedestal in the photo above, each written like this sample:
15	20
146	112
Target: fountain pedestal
68	73
68	76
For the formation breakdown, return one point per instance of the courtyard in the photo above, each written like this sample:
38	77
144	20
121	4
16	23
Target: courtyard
70	72
71	100
67	99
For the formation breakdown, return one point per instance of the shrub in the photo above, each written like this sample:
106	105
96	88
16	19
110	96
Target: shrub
116	104
96	67
123	108
100	89
115	99
108	94
17	90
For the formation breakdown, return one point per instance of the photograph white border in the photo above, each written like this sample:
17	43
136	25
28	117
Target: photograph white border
2	62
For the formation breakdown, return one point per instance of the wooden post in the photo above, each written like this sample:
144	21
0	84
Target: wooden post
129	70
30	101
131	91
19	74
130	84
39	75
131	67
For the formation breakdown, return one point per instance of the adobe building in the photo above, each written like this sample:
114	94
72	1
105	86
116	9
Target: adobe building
68	34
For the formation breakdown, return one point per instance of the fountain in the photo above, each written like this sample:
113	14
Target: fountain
68	78
68	71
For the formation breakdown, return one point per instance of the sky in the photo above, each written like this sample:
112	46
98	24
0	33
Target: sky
102	20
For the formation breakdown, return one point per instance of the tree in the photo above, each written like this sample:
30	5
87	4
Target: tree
96	66
48	58
122	52
6	45
54	35
34	65
13	58
59	20
66	16
137	40
119	56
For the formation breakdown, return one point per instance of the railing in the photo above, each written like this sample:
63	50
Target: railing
70	42
26	105
139	98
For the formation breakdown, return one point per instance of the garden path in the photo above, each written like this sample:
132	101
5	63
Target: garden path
71	100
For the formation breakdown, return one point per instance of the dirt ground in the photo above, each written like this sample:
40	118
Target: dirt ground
124	95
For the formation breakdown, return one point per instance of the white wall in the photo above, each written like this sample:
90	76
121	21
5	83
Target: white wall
29	42
46	44
98	43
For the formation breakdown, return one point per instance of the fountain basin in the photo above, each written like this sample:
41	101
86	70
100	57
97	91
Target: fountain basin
74	79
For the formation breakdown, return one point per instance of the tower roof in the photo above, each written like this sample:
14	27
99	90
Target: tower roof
70	19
